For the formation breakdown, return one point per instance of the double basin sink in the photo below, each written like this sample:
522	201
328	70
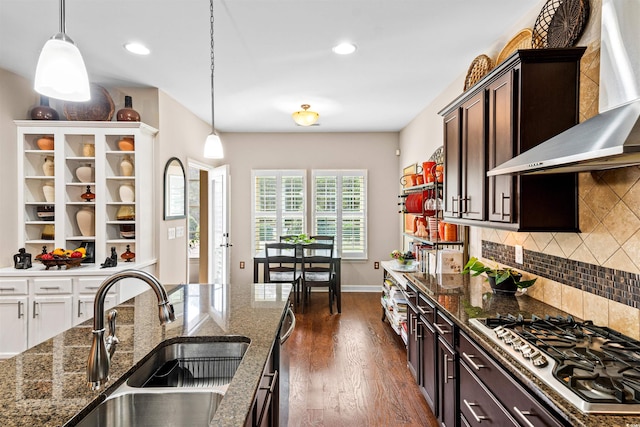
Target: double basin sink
180	383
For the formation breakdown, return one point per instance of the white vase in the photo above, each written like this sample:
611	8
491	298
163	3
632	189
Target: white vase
127	193
49	190
85	218
85	173
48	167
126	166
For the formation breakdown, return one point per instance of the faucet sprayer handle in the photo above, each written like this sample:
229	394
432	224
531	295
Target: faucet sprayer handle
166	312
112	341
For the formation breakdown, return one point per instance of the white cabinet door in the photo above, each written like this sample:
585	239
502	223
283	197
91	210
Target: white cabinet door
13	332
50	315
84	307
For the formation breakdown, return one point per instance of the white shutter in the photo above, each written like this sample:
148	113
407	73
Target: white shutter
340	209
278	205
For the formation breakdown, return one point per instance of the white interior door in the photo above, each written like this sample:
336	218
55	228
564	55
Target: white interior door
220	262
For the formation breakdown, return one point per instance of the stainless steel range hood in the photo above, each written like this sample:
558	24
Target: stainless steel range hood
612	138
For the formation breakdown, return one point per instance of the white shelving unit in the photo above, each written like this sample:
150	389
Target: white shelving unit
69	140
393	300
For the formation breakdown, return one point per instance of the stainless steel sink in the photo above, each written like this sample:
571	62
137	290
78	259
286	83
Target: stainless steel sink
155	409
180	383
191	364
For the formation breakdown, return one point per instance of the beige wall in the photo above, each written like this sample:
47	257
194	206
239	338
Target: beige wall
16	99
372	151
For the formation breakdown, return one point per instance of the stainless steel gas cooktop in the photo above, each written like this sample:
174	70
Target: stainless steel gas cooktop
595	368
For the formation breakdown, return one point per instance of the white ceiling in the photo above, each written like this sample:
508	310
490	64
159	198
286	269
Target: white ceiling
273	55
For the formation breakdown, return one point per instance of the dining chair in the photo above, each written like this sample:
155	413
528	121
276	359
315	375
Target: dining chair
283	266
317	270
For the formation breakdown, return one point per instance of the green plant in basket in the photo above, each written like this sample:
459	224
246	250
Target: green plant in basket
475	267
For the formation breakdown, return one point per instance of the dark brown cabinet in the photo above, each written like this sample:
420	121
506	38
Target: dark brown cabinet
490	395
527	99
473	131
428	381
266	406
413	336
447	380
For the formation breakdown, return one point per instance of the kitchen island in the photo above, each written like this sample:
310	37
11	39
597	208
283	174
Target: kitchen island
46	384
463	298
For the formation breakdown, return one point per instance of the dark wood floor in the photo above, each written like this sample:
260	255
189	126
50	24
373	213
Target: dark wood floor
350	369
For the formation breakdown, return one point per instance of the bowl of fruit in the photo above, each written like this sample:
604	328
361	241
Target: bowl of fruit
61	257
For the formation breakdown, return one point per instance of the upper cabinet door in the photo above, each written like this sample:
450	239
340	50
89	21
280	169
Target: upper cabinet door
500	146
452	173
473	157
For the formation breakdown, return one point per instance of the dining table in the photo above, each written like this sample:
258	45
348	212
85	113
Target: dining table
261	259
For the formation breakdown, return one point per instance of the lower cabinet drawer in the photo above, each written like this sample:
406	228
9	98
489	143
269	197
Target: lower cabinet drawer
52	286
477	404
526	410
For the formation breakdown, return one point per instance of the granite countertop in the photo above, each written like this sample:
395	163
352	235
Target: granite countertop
46	385
464	298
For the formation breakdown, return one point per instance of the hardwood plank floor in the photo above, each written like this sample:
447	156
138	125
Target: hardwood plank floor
350	369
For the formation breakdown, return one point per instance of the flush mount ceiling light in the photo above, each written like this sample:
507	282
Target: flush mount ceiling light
345	48
61	72
305	117
137	48
213	144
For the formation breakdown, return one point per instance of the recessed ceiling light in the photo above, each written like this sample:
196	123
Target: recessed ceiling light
345	48
137	48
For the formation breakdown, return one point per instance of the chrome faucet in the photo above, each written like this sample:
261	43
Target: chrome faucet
101	349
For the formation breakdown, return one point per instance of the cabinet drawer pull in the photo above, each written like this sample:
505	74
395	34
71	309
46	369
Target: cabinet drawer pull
440	330
477	417
423	311
50	288
272	384
502	199
20	312
523	416
8	289
468	358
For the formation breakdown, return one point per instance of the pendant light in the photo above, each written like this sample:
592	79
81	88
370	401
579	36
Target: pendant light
61	72
305	117
213	144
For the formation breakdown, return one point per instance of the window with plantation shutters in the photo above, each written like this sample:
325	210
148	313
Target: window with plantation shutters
340	209
278	204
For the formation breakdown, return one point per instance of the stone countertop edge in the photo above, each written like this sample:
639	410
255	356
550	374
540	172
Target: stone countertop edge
427	285
250	311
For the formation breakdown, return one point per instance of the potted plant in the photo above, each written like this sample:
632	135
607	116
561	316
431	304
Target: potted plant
503	280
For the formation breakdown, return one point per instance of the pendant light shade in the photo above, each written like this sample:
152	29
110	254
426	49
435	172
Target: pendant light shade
61	72
213	147
305	117
213	144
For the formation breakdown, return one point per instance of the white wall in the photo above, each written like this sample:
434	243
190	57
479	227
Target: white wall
372	151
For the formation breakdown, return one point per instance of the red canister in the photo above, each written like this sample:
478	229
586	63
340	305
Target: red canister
427	171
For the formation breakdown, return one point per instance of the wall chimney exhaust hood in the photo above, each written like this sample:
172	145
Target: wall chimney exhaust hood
612	138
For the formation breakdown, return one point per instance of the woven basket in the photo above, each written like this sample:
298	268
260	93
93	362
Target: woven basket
479	68
522	40
99	108
560	23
